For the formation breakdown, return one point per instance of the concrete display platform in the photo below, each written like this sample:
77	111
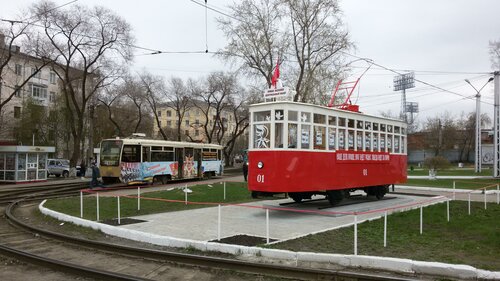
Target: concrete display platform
286	221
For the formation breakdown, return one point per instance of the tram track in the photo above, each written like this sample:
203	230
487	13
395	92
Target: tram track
97	259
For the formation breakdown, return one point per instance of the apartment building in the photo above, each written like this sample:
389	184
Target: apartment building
192	123
42	89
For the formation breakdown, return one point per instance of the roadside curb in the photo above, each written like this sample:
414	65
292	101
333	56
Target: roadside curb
371	262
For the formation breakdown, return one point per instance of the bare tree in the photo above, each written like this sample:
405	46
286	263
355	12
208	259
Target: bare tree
178	99
258	34
239	112
441	133
86	46
154	87
494	47
255	41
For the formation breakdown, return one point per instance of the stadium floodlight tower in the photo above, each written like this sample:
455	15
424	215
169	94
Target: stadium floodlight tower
478	154
401	83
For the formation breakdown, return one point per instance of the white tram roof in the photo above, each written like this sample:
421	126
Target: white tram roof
166	143
319	109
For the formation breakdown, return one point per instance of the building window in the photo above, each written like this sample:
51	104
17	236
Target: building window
52	96
169	113
197	122
187	122
17	112
159	123
38	74
52	78
19	69
169	123
38	92
186	132
159	113
18	91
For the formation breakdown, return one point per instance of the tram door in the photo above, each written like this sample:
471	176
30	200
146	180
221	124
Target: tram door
179	156
197	159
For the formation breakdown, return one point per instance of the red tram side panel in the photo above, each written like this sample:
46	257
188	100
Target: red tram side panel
309	171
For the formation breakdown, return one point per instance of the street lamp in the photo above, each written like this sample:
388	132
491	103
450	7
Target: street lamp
477	158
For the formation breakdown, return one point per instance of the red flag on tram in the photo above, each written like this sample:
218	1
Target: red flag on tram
276	74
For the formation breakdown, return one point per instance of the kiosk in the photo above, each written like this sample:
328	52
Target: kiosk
19	163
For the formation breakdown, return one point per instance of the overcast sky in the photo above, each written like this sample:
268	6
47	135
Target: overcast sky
443	41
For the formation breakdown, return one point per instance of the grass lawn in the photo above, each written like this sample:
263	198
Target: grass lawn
451	172
472	240
235	193
459	183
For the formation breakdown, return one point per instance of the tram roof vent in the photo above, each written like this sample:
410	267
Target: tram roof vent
138	135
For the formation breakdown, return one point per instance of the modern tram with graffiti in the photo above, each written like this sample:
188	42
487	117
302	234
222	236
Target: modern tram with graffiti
136	160
304	149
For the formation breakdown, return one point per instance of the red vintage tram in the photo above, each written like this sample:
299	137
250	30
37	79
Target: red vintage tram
304	149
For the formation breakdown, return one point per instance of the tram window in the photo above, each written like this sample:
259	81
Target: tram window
145	153
368	142
278	115
359	140
261	135
375	141
389	128
292	135
396	129
350	123
332	120
382	141
389	142
319	119
209	156
350	139
342	122
331	138
278	135
305	136
375	126
341	139
162	156
305	117
156	148
403	139
262	116
368	125
396	144
131	153
168	148
219	154
319	137
382	127
403	131
359	124
292	115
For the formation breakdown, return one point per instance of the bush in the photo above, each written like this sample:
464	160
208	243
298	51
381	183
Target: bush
437	163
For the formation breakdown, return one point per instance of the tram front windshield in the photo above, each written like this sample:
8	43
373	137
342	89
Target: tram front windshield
110	152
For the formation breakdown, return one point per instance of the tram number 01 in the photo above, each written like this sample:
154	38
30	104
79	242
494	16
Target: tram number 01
260	178
365	172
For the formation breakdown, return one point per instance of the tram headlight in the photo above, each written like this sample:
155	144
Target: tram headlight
260	165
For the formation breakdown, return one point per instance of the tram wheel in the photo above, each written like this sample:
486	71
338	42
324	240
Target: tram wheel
295	197
334	196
